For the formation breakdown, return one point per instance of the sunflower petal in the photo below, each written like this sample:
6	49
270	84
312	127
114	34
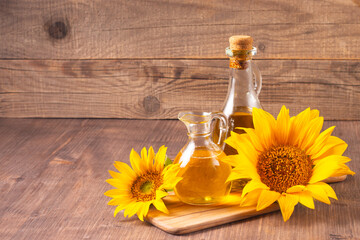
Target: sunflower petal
267	198
115	174
160	194
125	169
151	157
333	146
253	138
160	158
342	170
320	141
287	203
324	169
144	156
264	124
120	200
116	192
306	199
243	145
329	190
297	124
282	126
159	204
250	199
136	162
244	171
295	189
118	209
253	185
318	192
312	133
131	211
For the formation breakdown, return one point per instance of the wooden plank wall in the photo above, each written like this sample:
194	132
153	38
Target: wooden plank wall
152	59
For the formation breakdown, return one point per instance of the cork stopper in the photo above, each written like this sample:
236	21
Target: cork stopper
240	42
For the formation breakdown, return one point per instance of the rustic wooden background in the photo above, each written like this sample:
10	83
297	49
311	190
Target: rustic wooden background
152	59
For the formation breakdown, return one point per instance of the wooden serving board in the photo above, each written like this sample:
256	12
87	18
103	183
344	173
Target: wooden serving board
184	218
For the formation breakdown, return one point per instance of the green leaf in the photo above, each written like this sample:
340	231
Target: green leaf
167	161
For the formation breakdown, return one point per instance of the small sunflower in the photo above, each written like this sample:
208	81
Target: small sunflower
145	184
286	159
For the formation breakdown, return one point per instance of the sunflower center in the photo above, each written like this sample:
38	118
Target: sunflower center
144	187
282	167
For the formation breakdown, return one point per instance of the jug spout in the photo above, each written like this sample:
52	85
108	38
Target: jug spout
199	124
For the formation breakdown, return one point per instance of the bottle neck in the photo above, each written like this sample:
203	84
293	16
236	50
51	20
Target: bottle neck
241	96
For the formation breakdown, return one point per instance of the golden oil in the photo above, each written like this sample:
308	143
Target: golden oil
204	177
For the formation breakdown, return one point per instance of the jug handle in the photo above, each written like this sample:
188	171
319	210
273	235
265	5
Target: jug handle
257	78
222	127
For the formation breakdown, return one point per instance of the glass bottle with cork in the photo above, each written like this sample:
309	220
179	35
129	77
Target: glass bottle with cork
242	96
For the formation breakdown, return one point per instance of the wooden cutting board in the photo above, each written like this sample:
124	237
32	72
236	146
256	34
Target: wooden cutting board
184	218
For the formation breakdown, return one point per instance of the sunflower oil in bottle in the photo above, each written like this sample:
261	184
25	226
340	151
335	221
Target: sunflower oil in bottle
242	96
204	174
239	118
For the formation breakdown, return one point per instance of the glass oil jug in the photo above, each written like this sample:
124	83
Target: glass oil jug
244	88
204	174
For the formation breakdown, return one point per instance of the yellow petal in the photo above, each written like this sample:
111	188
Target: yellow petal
118	209
115	174
342	170
320	141
144	154
253	185
233	160
140	216
136	163
142	212
160	194
243	145
160	158
151	157
306	199
125	169
324	169
333	146
251	198
121	206
159	204
132	209
253	138
120	200
146	209
328	190
297	124
246	170
264	124
312	133
318	192
116	192
295	189
267	198
287	203
314	113
282	126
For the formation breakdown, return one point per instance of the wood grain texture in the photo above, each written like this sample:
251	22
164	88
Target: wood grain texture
53	172
159	89
176	29
184	218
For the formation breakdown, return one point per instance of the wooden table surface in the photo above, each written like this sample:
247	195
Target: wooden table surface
53	172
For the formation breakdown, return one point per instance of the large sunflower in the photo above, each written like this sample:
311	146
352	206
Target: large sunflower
286	159
145	184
